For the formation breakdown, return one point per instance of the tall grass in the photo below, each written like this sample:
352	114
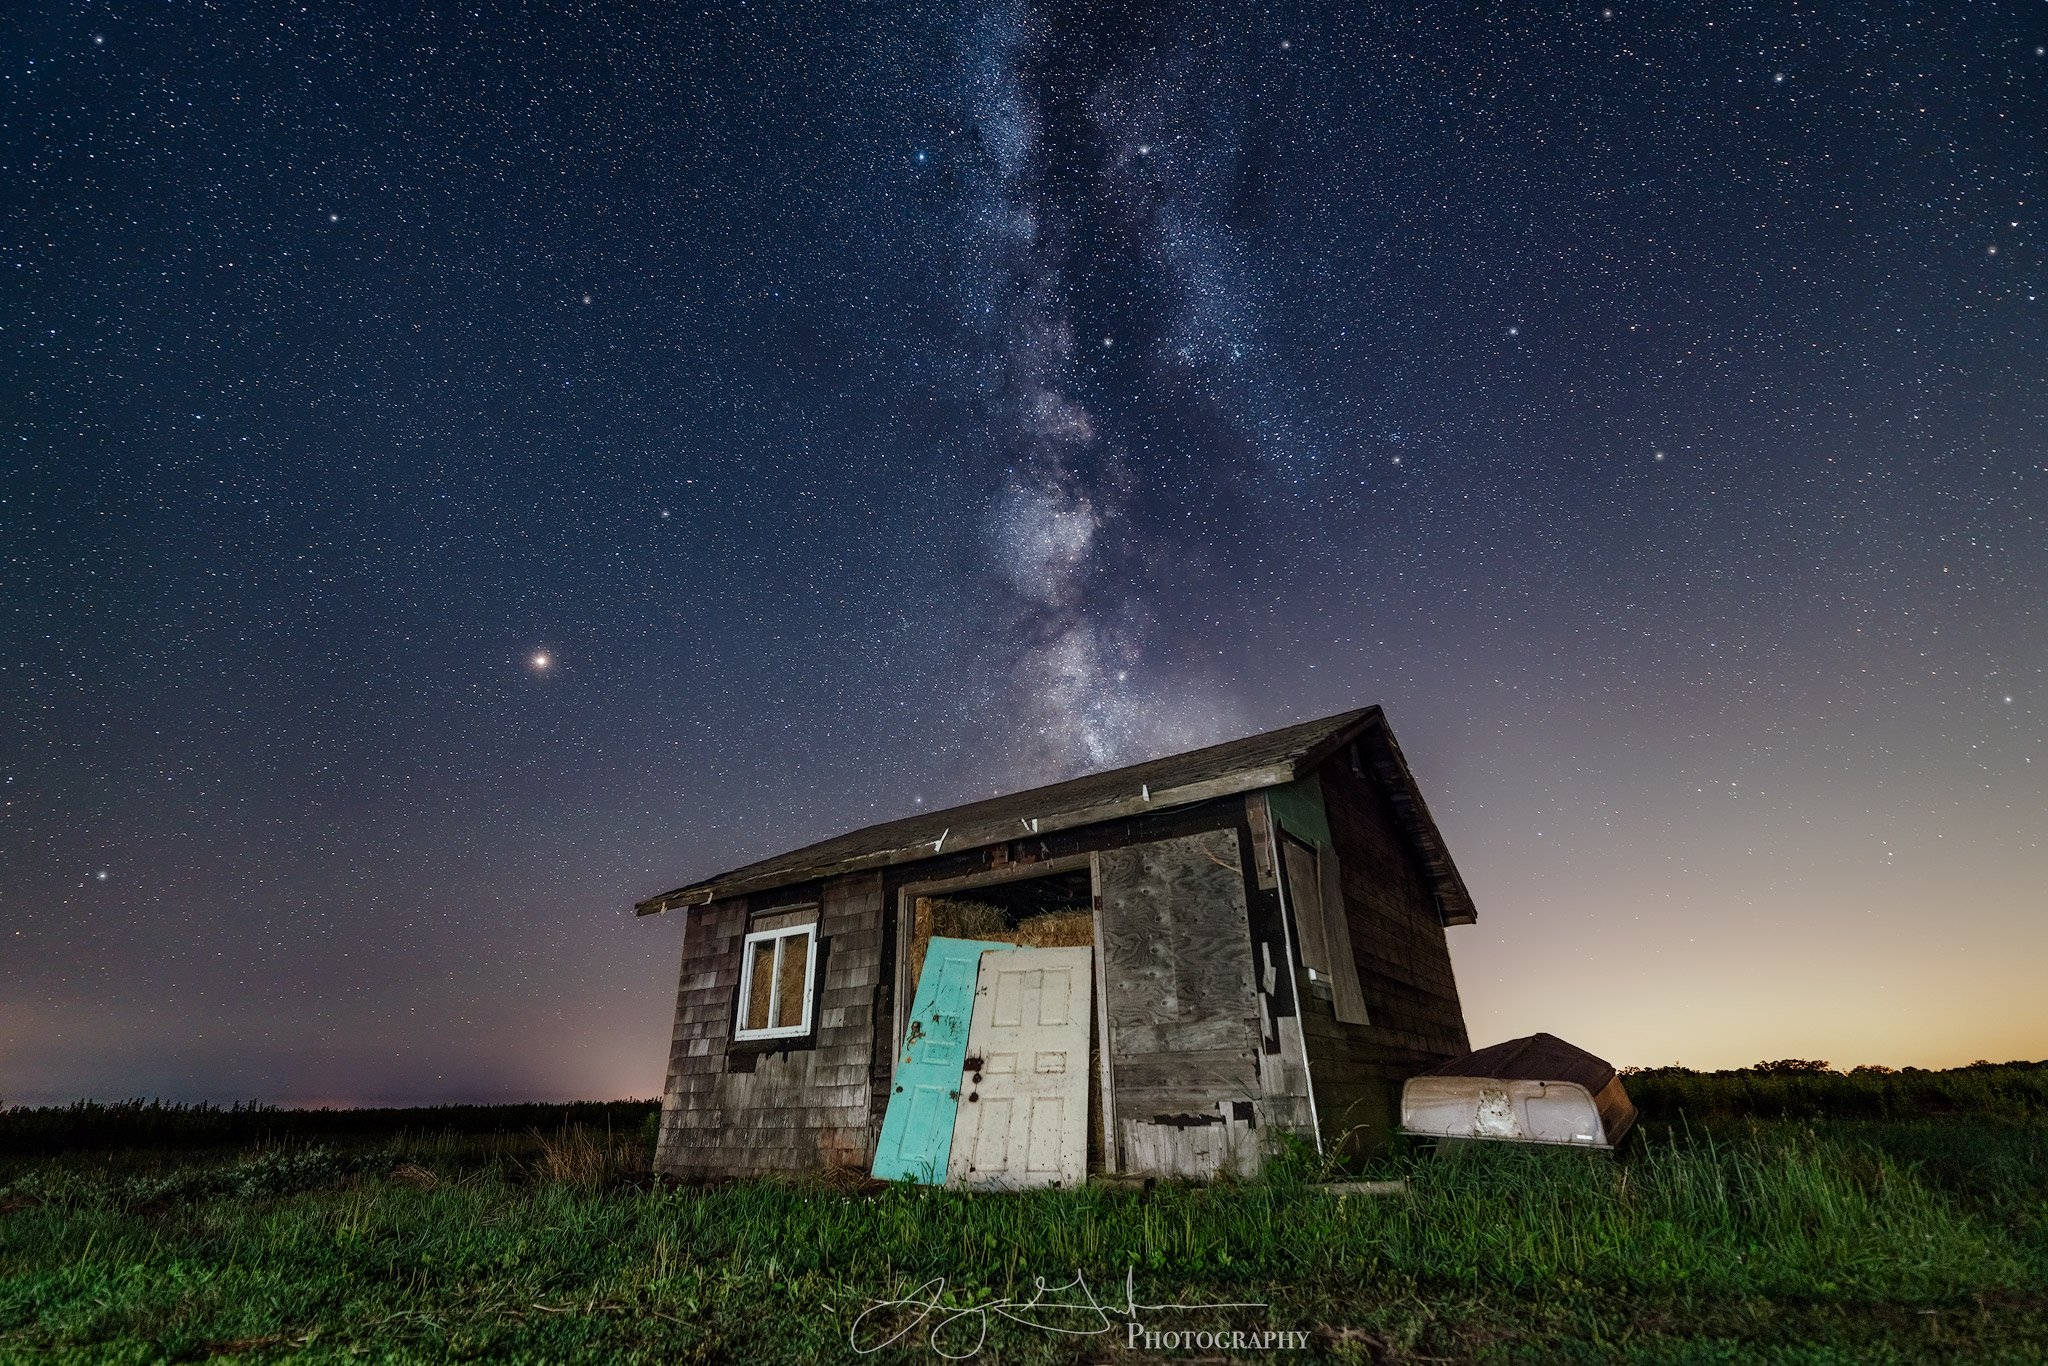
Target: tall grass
153	1233
545	1254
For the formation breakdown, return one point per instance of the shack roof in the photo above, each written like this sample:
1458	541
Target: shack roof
1247	765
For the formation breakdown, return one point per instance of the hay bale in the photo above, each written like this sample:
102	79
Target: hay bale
955	918
951	919
1054	930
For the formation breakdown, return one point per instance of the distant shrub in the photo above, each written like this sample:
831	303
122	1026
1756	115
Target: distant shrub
85	1125
1799	1089
274	1171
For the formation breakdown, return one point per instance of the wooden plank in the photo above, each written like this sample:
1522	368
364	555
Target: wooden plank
981	834
1350	992
1303	890
1261	826
1105	1093
1211	1072
1177	1037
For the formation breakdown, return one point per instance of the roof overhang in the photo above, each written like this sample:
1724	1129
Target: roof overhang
980	836
1019	819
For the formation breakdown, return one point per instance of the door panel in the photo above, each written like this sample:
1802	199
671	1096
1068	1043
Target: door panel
1022	1119
917	1127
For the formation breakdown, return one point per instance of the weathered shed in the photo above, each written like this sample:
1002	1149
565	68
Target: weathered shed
1262	920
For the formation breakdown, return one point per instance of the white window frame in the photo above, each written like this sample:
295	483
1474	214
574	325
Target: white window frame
781	936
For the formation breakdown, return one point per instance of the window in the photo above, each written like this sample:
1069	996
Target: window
775	982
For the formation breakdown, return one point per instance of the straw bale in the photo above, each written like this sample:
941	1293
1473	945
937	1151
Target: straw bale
952	919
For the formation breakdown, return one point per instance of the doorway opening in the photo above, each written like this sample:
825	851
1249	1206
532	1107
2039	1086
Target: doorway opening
1052	910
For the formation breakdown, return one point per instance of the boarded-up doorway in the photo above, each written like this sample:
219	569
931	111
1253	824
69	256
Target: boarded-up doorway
1183	1014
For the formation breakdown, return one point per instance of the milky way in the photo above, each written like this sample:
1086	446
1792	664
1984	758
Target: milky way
1109	295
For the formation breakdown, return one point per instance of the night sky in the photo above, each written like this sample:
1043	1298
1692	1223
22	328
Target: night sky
467	469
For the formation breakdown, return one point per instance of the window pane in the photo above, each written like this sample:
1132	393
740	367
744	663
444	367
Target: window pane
761	984
796	972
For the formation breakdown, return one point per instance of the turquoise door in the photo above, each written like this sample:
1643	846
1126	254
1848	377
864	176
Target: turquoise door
924	1098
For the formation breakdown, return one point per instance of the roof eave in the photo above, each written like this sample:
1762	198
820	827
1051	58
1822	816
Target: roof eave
1454	899
982	836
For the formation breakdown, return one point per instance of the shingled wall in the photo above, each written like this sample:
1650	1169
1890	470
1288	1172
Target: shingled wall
733	1111
1404	966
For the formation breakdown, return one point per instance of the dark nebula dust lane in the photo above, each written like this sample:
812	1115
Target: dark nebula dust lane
1111	229
861	409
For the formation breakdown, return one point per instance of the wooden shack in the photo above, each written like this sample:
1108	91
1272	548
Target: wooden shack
1263	921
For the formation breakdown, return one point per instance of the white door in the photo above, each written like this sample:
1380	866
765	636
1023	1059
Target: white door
1023	1118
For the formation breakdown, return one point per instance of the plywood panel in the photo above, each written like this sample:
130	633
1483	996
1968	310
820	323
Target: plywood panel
1178	975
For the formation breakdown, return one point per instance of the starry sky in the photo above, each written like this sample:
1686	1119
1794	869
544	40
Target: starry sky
467	468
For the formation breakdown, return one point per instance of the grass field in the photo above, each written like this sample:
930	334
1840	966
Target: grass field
508	1234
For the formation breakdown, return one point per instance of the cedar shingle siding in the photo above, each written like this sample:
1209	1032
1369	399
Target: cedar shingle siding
803	1106
1404	965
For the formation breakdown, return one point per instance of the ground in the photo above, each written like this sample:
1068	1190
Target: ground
501	1236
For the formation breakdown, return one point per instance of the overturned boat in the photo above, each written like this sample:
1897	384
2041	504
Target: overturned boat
1539	1089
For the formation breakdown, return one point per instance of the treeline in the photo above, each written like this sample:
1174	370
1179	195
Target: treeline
1797	1088
1787	1089
37	1130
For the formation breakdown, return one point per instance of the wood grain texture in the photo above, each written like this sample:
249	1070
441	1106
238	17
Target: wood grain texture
1350	1004
1180	998
1194	1151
